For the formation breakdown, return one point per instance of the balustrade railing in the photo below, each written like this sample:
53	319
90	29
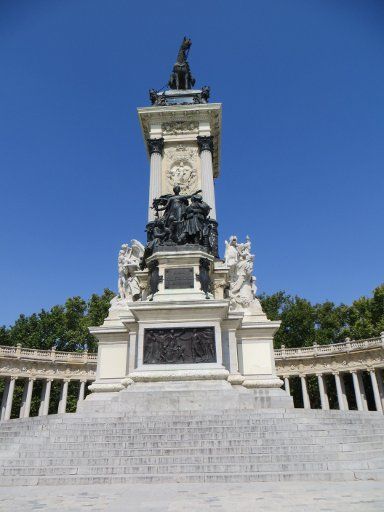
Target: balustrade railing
19	352
334	348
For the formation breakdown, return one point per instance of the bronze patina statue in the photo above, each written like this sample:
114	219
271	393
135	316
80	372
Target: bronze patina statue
181	77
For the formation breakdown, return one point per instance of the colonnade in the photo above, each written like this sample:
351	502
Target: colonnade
376	378
25	408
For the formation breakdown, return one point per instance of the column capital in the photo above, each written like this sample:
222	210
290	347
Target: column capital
205	143
155	146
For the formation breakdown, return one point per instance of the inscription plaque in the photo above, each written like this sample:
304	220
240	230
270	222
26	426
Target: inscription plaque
178	278
179	345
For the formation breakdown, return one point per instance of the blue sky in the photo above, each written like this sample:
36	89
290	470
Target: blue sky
301	83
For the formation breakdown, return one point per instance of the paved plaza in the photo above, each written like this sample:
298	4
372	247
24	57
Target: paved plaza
288	496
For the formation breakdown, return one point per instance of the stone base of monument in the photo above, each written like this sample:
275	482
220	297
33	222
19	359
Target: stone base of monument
193	395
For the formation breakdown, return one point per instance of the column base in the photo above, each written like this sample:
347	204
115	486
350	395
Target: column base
262	382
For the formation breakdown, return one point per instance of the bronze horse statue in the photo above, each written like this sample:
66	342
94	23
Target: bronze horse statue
181	77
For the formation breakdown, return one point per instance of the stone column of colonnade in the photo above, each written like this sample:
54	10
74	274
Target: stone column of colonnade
205	144
323	391
155	149
379	375
286	385
358	385
45	397
340	390
304	390
359	390
26	400
25	408
376	392
7	401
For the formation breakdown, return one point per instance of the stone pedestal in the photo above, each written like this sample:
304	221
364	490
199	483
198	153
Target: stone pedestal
185	347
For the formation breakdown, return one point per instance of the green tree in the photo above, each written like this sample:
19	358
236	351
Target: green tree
63	327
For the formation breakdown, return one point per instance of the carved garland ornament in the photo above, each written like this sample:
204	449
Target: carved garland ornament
179	127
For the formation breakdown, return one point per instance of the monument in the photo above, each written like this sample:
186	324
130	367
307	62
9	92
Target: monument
186	327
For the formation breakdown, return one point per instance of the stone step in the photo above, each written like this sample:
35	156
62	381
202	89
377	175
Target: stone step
192	446
305	415
204	449
137	427
6	481
192	468
207	478
186	458
211	442
212	434
184	415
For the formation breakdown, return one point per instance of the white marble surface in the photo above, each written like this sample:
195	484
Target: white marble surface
269	497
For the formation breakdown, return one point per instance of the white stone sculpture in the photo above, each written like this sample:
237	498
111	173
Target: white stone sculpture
242	282
128	263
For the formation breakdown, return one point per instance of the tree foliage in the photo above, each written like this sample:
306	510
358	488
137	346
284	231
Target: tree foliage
63	327
303	323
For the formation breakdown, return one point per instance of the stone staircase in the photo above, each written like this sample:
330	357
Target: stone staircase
192	446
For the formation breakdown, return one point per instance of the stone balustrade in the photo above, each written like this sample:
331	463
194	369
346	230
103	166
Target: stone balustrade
351	363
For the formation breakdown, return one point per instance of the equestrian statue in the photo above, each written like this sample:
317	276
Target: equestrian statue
181	77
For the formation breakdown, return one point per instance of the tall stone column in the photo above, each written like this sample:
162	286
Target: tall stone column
286	385
341	395
376	392
205	144
306	401
7	380
28	398
155	149
356	387
45	396
63	397
11	390
81	391
23	399
379	376
323	392
362	391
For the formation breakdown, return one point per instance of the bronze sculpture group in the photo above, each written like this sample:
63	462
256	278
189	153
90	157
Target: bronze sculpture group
185	220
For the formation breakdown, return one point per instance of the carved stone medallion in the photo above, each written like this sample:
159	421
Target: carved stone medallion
181	168
179	345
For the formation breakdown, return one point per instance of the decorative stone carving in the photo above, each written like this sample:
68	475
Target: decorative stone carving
128	263
179	345
155	146
181	168
179	127
242	287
